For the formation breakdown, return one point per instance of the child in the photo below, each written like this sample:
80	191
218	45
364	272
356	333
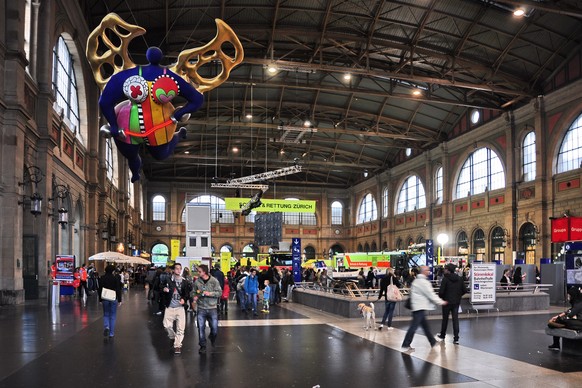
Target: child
266	295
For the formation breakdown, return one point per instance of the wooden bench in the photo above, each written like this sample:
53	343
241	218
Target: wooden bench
570	344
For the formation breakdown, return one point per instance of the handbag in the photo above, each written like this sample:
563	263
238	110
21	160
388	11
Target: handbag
108	294
557	323
393	294
408	304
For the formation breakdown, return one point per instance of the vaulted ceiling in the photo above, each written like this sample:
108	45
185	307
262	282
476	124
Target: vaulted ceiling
459	55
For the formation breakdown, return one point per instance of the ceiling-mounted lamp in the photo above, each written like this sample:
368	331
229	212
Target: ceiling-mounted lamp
519	12
365	173
307	123
347	76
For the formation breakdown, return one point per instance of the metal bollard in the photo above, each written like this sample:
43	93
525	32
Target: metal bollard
55	292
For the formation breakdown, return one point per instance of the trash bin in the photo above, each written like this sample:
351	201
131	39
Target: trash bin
54	292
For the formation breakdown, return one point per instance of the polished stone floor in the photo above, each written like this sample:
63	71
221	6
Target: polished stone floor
293	346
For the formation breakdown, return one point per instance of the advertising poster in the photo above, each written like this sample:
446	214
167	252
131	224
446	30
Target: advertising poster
174	249
430	258
225	262
296	259
483	280
65	273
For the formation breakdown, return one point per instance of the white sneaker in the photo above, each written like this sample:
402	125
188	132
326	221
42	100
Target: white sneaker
407	349
380	327
390	328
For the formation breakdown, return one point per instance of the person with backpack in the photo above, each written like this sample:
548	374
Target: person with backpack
251	288
452	289
240	290
176	292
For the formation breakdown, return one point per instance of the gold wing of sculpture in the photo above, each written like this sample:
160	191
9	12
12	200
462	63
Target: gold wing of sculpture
189	61
122	31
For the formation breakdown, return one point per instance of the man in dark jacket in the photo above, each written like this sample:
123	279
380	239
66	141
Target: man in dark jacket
176	292
452	289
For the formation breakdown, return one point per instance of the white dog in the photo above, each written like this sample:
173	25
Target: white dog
368	314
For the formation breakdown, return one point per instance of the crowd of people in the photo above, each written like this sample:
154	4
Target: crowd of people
175	291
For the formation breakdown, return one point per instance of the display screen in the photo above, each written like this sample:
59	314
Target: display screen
574	276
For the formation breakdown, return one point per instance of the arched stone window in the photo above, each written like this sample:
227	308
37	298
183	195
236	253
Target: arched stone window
411	195
368	210
528	151
481	171
158	208
570	154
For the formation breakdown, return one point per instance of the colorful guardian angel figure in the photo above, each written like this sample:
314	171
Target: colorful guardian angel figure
136	100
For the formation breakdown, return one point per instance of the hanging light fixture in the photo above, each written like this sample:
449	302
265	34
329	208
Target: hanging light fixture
63	217
60	193
33	175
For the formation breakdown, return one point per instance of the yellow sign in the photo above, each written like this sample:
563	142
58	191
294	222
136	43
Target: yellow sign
225	261
273	205
175	249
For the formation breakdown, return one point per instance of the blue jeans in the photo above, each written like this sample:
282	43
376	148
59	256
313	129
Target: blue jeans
252	302
210	315
273	288
109	315
388	312
418	319
242	299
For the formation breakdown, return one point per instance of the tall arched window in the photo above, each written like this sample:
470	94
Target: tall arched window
130	191
479	244
141	205
438	185
218	209
368	210
337	216
110	162
28	32
160	254
309	252
529	157
570	155
398	244
159	208
294	218
65	86
482	171
411	195
385	202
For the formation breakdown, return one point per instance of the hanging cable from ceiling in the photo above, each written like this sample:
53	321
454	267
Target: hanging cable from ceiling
266	125
252	106
216	139
134	19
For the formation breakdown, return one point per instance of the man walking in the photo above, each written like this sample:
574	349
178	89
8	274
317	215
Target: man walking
422	298
452	289
175	293
206	293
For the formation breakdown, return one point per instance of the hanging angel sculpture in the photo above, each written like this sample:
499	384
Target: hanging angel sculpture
136	100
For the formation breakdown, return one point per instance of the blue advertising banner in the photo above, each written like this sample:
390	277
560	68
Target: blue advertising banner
430	258
296	259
